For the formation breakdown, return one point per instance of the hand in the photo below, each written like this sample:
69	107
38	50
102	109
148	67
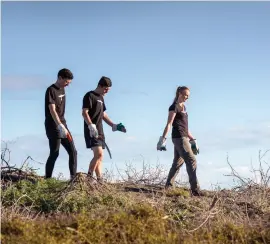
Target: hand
69	137
93	130
119	127
194	146
62	130
161	145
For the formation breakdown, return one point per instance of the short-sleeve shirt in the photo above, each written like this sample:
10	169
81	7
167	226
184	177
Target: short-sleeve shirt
180	122
57	96
95	104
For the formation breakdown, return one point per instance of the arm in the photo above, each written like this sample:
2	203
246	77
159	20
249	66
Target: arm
169	123
92	127
62	129
86	106
86	117
190	136
107	119
54	114
50	100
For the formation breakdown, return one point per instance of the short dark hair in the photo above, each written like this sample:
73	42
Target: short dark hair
65	74
105	82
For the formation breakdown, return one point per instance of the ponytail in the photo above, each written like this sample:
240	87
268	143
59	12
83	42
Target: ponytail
179	90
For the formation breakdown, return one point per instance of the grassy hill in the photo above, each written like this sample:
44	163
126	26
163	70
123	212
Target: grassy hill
136	209
56	211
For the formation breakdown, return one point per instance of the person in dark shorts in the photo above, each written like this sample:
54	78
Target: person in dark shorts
185	146
55	123
93	112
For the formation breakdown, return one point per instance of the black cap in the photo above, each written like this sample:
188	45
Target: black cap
105	81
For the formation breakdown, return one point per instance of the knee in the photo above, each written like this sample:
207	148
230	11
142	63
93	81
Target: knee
98	155
54	154
193	163
177	162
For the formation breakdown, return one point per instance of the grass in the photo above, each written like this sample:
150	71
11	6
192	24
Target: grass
134	211
55	211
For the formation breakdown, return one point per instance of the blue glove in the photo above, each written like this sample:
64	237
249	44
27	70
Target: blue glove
119	127
194	147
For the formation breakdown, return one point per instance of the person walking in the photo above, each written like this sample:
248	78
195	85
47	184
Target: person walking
94	112
185	145
55	123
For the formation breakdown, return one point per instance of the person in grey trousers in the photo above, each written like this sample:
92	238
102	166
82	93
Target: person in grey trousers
185	146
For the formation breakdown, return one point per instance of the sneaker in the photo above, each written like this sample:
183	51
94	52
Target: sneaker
169	186
90	177
100	180
72	177
196	193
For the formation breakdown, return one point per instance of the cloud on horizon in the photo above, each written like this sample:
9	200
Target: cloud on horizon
23	82
125	148
256	134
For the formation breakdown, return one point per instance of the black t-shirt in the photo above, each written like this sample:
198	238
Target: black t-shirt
180	122
95	103
57	96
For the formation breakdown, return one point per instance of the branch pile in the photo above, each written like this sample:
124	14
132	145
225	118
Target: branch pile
12	173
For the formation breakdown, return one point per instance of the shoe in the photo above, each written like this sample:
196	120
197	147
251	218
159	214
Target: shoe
169	186
71	177
196	193
90	177
100	180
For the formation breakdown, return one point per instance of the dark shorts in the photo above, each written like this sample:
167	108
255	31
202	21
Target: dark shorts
93	142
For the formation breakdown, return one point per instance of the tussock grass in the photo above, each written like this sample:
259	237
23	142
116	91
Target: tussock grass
54	211
82	211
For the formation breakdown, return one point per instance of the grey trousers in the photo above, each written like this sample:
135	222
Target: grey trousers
183	153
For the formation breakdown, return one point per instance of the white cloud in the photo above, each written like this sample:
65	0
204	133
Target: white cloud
250	135
239	169
131	138
212	166
223	170
23	82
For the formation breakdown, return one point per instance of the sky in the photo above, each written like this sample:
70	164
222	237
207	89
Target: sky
220	50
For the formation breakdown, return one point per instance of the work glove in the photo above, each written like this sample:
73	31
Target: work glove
194	146
119	127
62	131
161	145
93	130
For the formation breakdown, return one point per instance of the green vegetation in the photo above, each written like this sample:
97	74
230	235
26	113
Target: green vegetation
137	210
55	211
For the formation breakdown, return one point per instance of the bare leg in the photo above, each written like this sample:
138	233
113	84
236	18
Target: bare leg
97	159
98	169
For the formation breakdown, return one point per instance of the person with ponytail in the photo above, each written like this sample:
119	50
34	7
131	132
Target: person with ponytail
185	146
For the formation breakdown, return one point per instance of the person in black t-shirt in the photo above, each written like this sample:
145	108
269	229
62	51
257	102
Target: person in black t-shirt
55	123
93	112
185	146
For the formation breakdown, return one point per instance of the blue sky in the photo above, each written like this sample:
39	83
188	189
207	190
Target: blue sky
221	50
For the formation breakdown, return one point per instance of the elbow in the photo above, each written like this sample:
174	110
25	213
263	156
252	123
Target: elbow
169	125
84	114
